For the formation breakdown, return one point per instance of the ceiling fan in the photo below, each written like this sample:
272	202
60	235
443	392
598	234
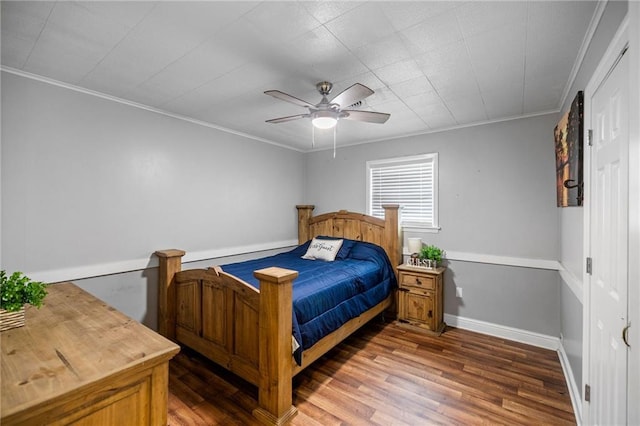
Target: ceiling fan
325	115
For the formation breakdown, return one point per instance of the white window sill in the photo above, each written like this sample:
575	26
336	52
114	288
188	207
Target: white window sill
423	229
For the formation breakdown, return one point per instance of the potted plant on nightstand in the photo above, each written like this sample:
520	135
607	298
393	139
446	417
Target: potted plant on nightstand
15	291
432	254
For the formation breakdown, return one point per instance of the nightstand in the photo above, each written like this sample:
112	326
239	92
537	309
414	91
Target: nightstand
420	297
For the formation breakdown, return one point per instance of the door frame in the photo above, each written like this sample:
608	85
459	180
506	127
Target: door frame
630	26
633	411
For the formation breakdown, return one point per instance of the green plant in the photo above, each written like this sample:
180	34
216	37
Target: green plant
17	289
431	252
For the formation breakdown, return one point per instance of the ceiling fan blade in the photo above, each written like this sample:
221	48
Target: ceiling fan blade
351	95
288	98
289	118
368	116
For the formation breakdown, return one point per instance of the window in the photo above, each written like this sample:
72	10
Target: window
411	182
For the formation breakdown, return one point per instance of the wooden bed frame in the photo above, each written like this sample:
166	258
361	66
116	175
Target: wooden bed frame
249	331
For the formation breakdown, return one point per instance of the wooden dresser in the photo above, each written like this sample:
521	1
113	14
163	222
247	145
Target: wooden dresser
78	360
421	298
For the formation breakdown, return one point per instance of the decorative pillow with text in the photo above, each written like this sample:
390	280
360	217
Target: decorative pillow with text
344	251
323	250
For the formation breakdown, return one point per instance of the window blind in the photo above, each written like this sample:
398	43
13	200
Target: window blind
410	182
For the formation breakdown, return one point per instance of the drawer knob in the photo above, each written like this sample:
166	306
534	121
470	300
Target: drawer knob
418	281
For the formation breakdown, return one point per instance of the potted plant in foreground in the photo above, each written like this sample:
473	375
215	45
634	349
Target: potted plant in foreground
432	255
16	290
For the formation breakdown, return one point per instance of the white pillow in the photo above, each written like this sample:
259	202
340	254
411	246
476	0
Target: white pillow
323	249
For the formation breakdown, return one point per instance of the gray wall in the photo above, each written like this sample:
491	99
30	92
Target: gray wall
516	297
136	293
571	323
497	197
89	182
571	219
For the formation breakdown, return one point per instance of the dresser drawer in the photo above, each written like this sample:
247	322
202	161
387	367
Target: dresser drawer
417	280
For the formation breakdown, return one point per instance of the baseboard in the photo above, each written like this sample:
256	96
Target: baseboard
574	391
510	333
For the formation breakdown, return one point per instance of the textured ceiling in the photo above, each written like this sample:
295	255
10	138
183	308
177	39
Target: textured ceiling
432	65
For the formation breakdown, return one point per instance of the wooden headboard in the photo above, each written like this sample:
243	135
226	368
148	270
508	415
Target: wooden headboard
355	226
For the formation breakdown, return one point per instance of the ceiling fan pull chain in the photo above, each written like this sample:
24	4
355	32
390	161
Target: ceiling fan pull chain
334	140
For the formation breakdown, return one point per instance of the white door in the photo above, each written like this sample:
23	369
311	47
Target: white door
608	247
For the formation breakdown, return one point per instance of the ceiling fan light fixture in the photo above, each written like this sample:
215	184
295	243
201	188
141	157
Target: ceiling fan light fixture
324	119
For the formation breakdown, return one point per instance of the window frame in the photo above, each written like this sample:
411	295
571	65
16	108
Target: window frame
414	159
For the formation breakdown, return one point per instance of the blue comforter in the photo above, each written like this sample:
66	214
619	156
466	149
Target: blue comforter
327	294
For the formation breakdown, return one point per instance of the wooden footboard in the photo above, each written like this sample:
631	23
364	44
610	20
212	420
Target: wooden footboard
230	322
249	331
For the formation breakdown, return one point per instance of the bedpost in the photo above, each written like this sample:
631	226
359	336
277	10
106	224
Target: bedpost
394	235
170	264
304	214
275	401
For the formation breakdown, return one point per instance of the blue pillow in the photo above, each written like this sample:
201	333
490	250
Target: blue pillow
347	245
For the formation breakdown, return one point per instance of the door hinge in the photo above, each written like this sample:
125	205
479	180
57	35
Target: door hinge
590	137
589	265
587	393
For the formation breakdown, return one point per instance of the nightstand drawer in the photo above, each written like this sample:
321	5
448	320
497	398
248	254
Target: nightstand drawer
417	291
417	280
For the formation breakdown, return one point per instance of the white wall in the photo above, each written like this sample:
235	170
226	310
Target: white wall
93	187
497	197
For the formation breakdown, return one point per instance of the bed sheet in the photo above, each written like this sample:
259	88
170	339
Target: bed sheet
327	294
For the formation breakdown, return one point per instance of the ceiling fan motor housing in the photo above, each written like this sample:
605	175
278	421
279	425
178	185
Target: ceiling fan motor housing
324	87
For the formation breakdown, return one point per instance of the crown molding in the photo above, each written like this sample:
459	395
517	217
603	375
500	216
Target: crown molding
446	129
586	42
122	101
97	94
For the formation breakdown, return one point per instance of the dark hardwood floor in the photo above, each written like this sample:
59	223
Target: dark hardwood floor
386	374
